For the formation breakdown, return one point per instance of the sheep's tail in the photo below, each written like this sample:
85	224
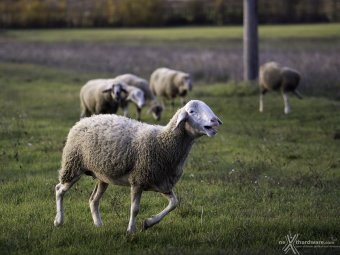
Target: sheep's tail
298	94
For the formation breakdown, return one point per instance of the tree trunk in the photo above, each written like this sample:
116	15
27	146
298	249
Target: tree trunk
250	40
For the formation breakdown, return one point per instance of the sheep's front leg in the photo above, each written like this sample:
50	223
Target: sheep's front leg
136	194
94	202
262	93
126	110
171	196
285	100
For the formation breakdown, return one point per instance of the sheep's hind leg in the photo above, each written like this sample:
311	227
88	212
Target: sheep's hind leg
96	195
136	195
286	103
60	190
171	196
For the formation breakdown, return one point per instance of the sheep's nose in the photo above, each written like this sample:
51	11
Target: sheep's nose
216	121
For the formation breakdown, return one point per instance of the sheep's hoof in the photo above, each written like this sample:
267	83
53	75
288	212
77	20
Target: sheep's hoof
131	236
58	221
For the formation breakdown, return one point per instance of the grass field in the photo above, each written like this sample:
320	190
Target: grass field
262	177
174	34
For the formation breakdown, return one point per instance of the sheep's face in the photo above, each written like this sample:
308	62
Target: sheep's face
199	119
137	97
116	90
185	85
156	111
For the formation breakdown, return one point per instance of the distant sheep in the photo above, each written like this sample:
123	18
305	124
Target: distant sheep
106	95
117	150
168	84
135	81
134	95
273	76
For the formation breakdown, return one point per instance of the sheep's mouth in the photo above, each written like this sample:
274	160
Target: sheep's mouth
210	131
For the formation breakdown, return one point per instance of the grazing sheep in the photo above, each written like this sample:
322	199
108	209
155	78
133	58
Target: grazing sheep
106	95
117	150
134	95
135	81
168	84
273	76
99	96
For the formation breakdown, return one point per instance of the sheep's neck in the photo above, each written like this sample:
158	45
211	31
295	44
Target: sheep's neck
176	145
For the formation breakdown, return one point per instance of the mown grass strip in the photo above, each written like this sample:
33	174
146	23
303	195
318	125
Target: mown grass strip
177	33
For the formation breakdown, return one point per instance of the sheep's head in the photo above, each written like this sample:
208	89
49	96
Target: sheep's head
156	111
136	96
185	84
199	119
116	90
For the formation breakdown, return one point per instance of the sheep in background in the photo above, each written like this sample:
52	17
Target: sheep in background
106	95
168	84
100	96
134	95
273	76
135	81
117	150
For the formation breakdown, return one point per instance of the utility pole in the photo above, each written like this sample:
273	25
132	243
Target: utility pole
250	40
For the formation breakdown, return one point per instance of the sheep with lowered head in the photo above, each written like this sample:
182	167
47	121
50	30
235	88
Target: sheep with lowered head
134	95
135	81
106	95
168	84
273	76
117	150
99	96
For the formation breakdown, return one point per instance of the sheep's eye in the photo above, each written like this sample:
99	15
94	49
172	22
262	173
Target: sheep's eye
191	111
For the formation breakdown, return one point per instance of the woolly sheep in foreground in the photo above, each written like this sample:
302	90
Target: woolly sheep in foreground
106	95
168	84
135	81
273	76
117	150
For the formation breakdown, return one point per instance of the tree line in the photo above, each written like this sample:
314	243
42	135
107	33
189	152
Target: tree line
153	13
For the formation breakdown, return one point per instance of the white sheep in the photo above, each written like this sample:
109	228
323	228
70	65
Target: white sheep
117	150
132	94
168	84
273	76
99	96
106	95
135	81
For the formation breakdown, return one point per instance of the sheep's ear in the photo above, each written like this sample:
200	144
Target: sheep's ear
108	87
107	90
182	116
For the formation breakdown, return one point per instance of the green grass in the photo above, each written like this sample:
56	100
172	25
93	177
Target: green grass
179	33
262	177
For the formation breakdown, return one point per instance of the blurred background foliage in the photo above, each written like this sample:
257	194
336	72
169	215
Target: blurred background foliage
151	13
